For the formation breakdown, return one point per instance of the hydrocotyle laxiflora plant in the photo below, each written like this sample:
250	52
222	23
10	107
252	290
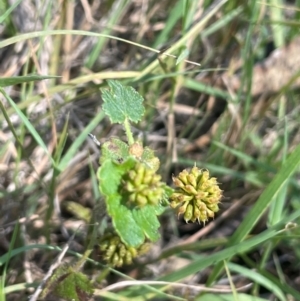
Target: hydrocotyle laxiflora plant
134	195
132	188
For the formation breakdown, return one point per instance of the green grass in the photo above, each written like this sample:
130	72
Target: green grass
193	115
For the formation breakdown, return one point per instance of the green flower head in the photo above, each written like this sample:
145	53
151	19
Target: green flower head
196	196
142	186
116	253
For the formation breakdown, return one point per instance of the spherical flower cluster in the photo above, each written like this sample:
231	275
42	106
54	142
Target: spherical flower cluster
197	196
116	253
142	186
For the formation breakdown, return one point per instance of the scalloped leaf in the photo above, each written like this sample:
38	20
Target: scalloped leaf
133	225
68	284
74	286
122	102
146	218
115	150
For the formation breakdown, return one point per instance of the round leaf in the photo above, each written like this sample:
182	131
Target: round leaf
122	102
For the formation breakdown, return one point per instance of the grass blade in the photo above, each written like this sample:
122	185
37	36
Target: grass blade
28	125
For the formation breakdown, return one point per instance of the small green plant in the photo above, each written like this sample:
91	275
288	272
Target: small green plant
135	195
133	190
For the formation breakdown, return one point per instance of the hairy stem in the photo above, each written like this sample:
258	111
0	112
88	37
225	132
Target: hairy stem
128	131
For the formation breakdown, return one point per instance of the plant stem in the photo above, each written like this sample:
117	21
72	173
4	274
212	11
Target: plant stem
128	132
78	266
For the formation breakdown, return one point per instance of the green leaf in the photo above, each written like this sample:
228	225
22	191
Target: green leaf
183	55
121	103
74	286
124	223
26	122
228	297
258	278
10	81
68	284
146	218
4	15
115	150
110	174
133	225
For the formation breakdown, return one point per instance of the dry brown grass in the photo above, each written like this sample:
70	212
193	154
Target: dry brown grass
192	115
